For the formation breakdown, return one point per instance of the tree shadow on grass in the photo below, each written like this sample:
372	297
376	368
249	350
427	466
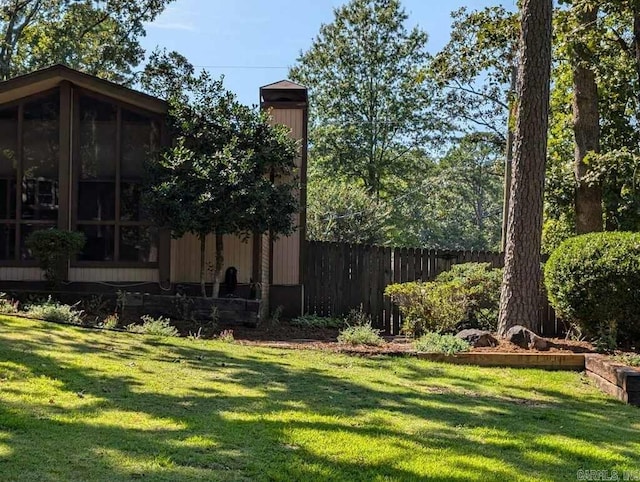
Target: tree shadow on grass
255	414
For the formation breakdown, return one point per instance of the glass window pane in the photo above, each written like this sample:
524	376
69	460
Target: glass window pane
7	241
25	230
41	137
8	162
40	160
97	149
139	141
39	198
7	198
99	245
131	208
139	243
8	142
96	201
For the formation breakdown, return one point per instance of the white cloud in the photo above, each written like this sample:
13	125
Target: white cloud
174	18
172	26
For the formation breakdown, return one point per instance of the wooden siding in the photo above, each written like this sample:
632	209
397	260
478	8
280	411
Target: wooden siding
21	274
114	275
286	251
264	276
185	258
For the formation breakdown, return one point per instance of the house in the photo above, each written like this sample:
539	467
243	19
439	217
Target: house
72	148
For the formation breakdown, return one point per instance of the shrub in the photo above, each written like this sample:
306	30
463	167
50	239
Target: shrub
357	317
8	305
153	326
226	336
111	321
629	359
96	305
554	232
50	310
480	284
317	322
276	314
52	248
593	279
438	343
363	334
466	296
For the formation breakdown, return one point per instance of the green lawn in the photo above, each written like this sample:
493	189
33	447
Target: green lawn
88	405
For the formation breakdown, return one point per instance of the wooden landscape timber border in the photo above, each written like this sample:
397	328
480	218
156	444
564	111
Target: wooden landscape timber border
547	361
616	379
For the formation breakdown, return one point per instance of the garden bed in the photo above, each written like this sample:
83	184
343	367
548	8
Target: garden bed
285	334
481	357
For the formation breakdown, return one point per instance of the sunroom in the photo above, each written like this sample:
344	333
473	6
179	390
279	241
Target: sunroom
72	154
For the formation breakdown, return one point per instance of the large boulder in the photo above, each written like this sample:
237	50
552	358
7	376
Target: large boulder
525	338
478	338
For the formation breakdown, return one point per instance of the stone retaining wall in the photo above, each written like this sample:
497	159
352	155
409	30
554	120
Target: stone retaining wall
227	310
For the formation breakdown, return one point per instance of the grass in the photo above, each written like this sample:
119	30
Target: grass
438	343
88	405
360	335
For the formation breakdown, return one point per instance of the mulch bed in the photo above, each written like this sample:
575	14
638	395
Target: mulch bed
284	335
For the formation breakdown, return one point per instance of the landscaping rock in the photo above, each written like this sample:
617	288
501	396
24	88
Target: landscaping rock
525	338
478	338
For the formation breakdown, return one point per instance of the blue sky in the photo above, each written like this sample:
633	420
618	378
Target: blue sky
268	35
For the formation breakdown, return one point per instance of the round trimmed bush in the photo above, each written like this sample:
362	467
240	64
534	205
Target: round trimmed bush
594	281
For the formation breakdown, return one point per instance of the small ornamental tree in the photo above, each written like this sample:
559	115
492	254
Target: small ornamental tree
53	248
228	171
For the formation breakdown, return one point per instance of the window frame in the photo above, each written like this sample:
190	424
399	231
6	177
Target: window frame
117	223
18	221
68	177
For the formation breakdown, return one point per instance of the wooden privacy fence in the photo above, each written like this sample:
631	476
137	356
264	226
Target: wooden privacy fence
339	277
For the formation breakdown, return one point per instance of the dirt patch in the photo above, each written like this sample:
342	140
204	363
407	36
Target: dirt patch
283	332
556	345
293	337
389	348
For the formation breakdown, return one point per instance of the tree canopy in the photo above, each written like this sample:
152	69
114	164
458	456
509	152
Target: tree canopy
229	170
369	93
99	37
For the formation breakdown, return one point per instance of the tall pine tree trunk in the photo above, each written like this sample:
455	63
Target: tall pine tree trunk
520	294
636	38
586	125
636	50
217	269
508	162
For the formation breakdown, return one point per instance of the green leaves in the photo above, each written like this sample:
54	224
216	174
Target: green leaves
474	69
53	248
369	95
343	212
216	176
100	38
593	280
